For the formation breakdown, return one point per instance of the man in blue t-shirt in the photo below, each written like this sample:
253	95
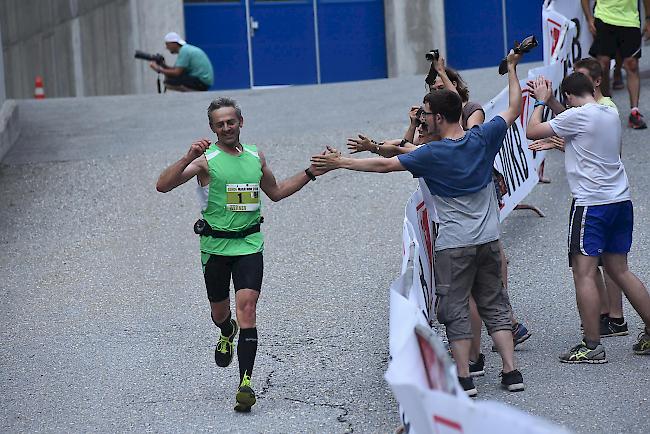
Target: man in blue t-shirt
458	172
192	70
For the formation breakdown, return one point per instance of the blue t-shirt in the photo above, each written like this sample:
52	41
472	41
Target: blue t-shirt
453	168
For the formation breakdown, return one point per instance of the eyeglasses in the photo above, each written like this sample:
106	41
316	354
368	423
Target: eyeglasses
421	113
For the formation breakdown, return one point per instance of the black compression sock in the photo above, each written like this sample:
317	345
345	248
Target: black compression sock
617	321
246	351
226	327
591	344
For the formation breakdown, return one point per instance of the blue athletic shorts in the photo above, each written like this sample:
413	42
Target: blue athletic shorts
598	229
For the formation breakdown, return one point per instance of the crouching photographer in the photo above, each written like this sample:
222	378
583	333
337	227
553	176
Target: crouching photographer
192	70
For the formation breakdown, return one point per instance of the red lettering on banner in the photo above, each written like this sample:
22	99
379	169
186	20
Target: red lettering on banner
444	425
555	33
426	230
523	118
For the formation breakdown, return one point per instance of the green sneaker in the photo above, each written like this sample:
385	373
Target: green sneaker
225	347
643	346
245	396
582	354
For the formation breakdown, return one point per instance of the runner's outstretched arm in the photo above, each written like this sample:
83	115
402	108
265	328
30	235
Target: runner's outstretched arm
279	190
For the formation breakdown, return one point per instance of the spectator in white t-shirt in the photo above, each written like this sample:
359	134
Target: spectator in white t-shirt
601	221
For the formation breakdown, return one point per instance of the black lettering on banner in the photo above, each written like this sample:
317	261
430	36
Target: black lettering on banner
426	294
405	423
576	48
513	159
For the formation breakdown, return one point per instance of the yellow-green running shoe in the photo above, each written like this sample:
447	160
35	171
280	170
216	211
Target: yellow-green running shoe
245	395
582	354
225	347
642	347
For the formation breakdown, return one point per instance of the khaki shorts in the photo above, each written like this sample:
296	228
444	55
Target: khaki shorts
474	270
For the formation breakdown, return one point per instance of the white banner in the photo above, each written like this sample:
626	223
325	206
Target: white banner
424	380
514	160
555	14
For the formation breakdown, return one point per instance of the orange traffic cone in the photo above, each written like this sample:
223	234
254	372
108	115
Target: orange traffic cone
39	92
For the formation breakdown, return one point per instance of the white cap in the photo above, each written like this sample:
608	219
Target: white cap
174	37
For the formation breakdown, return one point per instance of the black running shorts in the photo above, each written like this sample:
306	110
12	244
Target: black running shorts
610	39
246	272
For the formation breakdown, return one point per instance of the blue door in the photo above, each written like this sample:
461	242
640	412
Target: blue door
479	32
352	40
219	29
283	42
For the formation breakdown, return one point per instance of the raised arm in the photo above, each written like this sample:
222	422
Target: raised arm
537	128
279	190
192	164
542	90
442	73
514	90
414	111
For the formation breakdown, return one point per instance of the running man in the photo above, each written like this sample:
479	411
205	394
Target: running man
616	28
230	175
458	172
601	221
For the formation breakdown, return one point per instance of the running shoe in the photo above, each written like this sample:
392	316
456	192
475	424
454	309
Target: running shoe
609	328
477	369
520	334
636	121
225	347
512	381
468	386
582	354
245	396
643	346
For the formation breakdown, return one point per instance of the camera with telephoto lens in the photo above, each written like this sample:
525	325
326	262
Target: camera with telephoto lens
158	58
432	55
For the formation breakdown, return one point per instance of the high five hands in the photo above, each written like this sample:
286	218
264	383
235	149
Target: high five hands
327	160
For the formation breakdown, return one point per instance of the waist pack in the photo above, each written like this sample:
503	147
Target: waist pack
201	227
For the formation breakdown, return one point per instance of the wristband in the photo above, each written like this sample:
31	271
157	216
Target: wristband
310	175
403	142
538	103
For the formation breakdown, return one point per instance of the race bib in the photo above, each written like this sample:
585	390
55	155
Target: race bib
243	197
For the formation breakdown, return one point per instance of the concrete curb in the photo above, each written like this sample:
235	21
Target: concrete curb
9	126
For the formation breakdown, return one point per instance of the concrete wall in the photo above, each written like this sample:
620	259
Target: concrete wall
3	93
83	47
413	27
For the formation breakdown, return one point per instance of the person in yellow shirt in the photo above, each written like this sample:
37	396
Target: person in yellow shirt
616	26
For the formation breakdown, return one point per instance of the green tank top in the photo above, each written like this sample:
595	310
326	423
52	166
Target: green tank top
234	200
623	13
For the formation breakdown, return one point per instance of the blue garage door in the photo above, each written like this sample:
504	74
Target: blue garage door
476	36
283	42
219	29
352	40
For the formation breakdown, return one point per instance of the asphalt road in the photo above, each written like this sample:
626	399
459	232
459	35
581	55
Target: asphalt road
104	320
